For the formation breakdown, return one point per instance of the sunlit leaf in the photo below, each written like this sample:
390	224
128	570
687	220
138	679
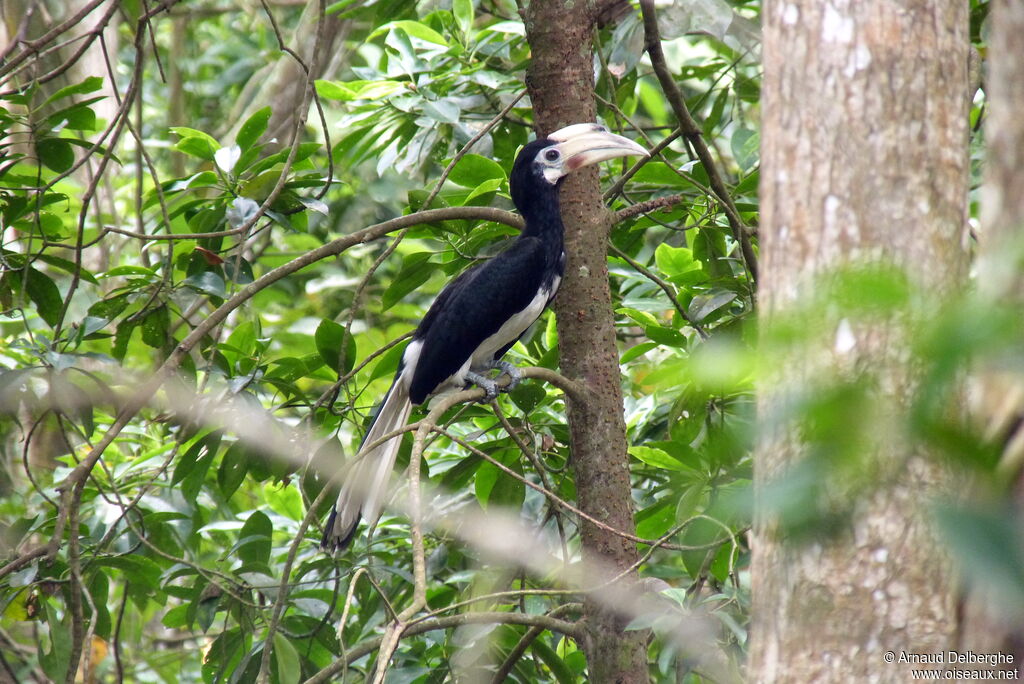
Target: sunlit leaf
254	127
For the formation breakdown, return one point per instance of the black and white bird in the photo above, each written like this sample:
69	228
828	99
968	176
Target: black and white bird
479	315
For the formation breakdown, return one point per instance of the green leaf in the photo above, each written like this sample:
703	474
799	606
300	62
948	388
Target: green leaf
463	13
656	457
414	29
703	305
336	7
209	283
416	270
474	169
79	116
122	336
156	326
195	143
88	85
657	332
988	545
224	656
99	591
254	539
700	533
233	467
442	111
562	672
527	395
56	661
129	270
287	659
86	145
745	143
69	267
136	569
485	189
194	464
655	520
175	618
497	488
42	291
677	263
636	351
348	91
39	289
243	338
688	501
388	362
56	154
336	346
486	475
252	129
243	275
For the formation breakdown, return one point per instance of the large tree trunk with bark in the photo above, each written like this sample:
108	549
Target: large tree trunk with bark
561	86
864	159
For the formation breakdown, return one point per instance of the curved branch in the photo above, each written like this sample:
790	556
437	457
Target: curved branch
520	648
71	487
693	134
570	629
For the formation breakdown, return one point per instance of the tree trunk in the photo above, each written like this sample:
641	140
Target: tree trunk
987	627
561	86
864	158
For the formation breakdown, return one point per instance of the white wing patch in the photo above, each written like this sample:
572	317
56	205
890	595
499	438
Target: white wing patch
511	330
410	357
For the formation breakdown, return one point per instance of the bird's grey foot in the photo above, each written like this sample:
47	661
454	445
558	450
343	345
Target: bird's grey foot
484	382
514	376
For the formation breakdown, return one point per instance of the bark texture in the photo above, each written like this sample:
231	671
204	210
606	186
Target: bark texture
864	159
988	628
561	87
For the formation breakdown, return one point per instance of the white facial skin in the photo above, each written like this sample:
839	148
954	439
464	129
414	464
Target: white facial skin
581	145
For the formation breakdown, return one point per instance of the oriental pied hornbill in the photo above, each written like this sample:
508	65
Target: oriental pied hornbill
478	316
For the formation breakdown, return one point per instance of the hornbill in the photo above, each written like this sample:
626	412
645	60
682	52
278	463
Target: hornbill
479	315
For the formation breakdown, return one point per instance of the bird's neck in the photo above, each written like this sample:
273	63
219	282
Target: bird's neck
543	219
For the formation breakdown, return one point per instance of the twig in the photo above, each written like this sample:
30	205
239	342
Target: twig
465	148
620	183
665	287
537	466
32	47
71	488
648	206
570	629
693	134
284	585
520	648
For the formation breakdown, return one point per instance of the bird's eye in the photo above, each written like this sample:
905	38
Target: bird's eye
552	155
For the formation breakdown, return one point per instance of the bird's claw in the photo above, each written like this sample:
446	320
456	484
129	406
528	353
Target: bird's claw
489	387
514	376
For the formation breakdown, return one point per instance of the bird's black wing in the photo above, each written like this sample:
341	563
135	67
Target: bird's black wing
473	307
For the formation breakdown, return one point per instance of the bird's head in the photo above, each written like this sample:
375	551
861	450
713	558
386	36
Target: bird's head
546	161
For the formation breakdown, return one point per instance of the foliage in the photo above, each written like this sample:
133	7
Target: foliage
123	238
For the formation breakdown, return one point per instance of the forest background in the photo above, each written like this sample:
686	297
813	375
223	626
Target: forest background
220	221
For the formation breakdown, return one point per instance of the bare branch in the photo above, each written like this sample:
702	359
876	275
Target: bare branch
693	134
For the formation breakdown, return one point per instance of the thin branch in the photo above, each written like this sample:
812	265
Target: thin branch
692	132
32	46
469	145
648	206
570	629
524	643
665	287
656	150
